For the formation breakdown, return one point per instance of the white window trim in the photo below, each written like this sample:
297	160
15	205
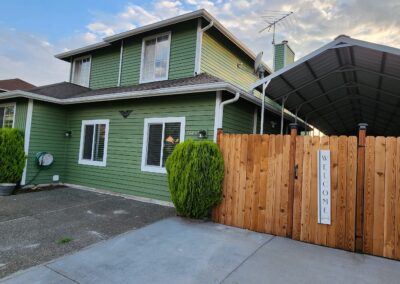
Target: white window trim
163	120
142	57
14	105
73	69
90	162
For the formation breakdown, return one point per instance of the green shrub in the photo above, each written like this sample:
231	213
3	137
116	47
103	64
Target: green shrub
195	173
12	155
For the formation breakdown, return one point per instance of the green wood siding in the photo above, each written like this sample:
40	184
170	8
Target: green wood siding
221	58
182	53
105	67
238	117
47	134
123	170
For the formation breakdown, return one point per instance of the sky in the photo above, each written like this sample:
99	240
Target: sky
32	32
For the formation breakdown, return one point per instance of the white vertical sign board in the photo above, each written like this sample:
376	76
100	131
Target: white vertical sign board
324	187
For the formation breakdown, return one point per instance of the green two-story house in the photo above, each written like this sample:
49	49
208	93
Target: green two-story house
131	98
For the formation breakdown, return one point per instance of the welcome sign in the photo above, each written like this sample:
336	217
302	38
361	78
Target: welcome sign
324	187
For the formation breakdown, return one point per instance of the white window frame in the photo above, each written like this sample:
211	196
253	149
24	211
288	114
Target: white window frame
91	162
159	120
73	69
14	105
142	56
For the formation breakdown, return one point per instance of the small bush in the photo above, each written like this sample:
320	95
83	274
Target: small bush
12	155
195	173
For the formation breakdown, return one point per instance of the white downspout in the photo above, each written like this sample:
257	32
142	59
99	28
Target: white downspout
265	85
199	44
121	55
221	108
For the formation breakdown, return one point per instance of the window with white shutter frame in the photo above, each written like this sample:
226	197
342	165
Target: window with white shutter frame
160	137
7	115
94	140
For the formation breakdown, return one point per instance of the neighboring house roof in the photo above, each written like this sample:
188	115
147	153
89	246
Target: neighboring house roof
202	13
14	84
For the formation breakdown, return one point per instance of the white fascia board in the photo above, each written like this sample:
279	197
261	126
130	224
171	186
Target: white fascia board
67	54
200	88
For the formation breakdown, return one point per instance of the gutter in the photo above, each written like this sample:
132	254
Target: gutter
221	108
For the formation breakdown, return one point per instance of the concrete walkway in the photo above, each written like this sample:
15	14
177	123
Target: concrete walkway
175	250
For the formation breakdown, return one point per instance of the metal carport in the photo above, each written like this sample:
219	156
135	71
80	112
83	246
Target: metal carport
342	84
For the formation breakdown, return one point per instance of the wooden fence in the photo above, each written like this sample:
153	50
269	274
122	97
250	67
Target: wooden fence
270	186
382	197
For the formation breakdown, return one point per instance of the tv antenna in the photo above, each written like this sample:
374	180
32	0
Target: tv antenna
272	18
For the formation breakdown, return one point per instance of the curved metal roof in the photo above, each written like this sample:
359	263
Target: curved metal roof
343	83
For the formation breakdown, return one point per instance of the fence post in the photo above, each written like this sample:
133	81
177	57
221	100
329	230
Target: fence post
362	131
292	155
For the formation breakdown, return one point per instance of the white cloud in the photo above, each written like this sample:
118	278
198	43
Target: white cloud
29	58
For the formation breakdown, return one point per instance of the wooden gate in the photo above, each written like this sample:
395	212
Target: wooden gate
270	186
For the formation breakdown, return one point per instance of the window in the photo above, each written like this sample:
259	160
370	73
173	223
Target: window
94	139
161	135
7	115
81	71
155	58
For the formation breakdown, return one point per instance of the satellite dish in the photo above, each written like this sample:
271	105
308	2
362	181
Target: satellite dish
258	63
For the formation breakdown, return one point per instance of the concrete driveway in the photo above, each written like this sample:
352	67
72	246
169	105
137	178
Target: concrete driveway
40	226
176	250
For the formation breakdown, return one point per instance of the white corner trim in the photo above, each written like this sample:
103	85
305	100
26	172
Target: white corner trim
121	54
123	195
91	162
28	125
159	120
255	117
218	99
142	56
199	40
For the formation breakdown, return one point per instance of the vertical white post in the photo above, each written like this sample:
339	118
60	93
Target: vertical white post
265	85
218	99
27	137
255	118
120	63
282	113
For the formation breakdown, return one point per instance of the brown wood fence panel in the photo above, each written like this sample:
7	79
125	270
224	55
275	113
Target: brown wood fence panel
256	183
261	193
340	234
382	197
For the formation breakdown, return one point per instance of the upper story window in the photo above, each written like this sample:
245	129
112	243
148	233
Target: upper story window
81	71
155	58
94	140
7	115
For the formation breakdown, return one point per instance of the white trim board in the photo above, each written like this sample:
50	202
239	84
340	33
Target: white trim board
218	100
28	125
159	120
